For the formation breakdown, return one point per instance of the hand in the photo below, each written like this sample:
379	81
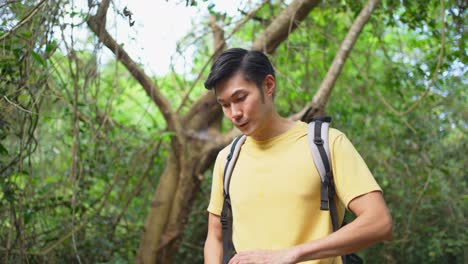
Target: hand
264	257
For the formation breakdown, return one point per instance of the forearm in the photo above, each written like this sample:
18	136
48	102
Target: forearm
359	234
213	251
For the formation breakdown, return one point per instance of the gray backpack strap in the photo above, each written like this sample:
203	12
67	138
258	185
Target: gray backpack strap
226	214
231	160
319	147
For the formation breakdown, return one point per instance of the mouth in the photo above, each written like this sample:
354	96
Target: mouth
243	125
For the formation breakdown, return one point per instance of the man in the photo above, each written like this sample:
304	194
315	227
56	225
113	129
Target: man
275	187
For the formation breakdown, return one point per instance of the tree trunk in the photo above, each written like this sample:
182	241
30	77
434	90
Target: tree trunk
194	148
159	246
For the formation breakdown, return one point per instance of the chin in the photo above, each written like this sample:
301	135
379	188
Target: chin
246	131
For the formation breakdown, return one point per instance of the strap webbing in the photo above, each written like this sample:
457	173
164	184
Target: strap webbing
319	146
226	214
231	161
226	222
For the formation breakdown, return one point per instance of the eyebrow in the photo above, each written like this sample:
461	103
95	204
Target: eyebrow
232	95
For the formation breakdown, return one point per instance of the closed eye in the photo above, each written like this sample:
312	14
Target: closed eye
236	98
240	99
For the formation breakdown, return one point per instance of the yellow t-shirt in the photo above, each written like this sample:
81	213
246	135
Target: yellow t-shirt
275	190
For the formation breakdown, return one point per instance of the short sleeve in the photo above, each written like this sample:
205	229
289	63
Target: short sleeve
216	199
351	174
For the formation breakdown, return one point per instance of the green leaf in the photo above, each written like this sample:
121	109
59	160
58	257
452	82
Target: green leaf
51	46
38	58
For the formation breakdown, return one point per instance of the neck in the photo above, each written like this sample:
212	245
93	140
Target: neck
272	127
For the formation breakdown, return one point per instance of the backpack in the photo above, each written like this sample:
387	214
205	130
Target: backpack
319	147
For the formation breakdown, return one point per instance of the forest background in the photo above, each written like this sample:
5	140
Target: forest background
101	162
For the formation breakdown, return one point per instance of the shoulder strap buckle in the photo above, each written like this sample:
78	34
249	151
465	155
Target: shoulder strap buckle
318	141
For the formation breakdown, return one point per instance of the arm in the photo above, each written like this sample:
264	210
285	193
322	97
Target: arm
213	250
372	224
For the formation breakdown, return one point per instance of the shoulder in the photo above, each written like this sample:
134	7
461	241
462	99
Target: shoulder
338	141
222	154
335	134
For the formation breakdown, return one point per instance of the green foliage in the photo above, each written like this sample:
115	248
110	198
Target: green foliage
82	145
416	157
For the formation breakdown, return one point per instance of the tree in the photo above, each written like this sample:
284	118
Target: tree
78	170
192	153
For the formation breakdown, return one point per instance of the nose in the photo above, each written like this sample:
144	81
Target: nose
236	112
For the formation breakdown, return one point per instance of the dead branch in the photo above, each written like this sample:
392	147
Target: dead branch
255	18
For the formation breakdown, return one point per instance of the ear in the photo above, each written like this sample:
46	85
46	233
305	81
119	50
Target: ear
269	85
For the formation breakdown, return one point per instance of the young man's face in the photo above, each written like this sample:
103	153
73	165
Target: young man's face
248	108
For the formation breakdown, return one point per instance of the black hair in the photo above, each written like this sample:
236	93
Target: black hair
254	66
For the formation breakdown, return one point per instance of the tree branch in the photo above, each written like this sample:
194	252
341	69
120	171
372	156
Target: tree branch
274	34
218	37
317	105
219	43
97	24
218	48
283	25
24	20
270	38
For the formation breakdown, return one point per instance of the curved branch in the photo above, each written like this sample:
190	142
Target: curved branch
219	42
286	22
274	34
219	46
97	24
24	20
218	37
379	95
370	83
317	105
